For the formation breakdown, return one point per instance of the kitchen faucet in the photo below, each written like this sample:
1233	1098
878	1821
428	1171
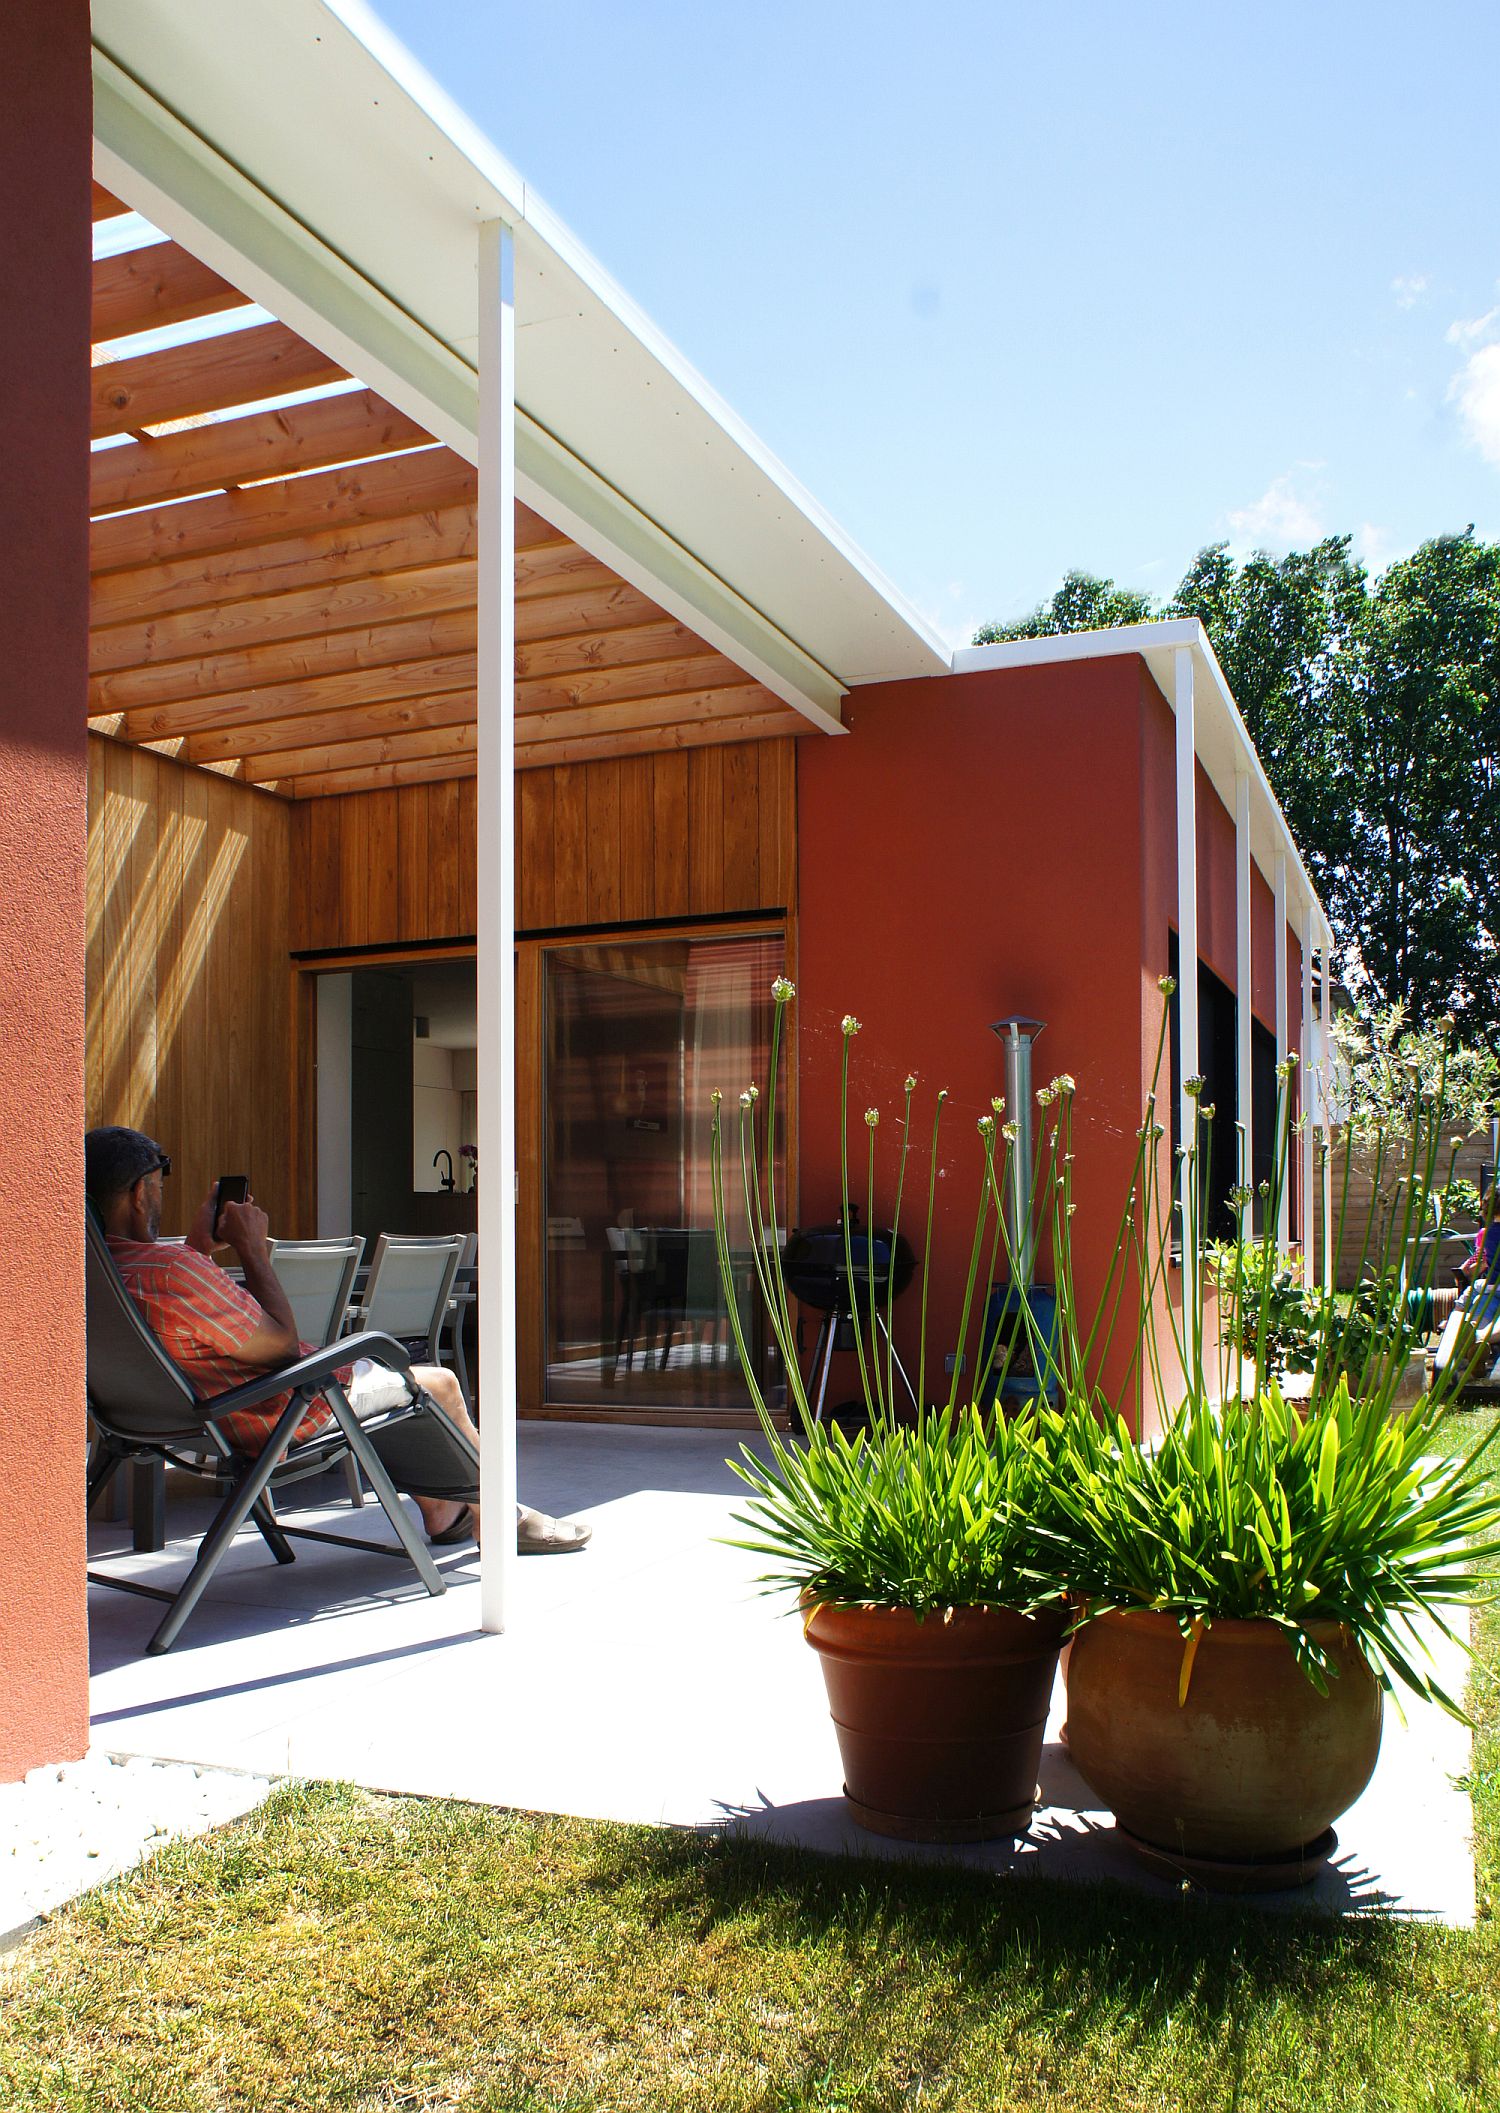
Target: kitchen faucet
447	1179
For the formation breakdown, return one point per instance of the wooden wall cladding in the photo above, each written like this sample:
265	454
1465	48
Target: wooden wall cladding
188	1030
678	834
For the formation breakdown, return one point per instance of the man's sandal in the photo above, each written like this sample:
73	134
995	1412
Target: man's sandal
536	1534
462	1529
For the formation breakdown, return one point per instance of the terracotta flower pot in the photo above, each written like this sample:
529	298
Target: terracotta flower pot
1252	1769
940	1720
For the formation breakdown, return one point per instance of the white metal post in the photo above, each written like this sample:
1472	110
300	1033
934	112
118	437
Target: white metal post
1325	1095
1187	953
1244	976
496	745
1307	1099
1284	1214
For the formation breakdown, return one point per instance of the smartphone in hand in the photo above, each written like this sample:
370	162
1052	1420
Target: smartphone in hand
230	1188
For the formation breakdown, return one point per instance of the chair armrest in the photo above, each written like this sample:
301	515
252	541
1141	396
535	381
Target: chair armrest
306	1372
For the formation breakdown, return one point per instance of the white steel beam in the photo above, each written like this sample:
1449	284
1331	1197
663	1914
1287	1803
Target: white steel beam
496	742
1307	1101
1187	955
1284	1215
1244	974
1326	1099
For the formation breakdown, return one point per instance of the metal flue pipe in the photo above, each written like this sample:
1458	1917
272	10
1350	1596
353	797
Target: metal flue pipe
1017	1033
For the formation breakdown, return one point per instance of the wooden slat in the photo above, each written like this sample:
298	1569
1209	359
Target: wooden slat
637	836
364	491
444	835
534	850
404	715
652	678
570	846
356	686
669	775
280	443
438	775
106	205
411	865
259	621
742	826
658	638
702	734
580	722
603	807
211	375
146	289
706	833
298	561
320	757
296	660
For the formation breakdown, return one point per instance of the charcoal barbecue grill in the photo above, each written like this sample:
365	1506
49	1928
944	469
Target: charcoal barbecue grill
815	1269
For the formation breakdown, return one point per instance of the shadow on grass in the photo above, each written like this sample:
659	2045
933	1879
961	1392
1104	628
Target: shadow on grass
1075	1965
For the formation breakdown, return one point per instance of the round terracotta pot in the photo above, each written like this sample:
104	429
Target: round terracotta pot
940	1720
1252	1768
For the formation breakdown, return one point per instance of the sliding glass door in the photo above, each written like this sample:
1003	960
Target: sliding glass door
638	1035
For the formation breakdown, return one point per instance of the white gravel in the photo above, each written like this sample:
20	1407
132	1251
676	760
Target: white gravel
64	1830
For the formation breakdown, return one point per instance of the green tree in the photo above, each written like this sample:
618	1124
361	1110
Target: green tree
1375	709
1081	603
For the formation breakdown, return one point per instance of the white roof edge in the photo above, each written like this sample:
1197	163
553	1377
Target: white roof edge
1144	640
519	200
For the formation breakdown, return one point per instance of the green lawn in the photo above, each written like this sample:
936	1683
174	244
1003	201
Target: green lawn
341	1950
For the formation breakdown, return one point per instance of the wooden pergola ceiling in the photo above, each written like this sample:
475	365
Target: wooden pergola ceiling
288	594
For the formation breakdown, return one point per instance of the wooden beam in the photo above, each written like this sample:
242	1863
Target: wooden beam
379	777
653	740
582	721
621	646
305	613
346	723
214	374
106	205
145	289
360	755
342	652
365	491
249	707
435	538
244	450
295	659
702	670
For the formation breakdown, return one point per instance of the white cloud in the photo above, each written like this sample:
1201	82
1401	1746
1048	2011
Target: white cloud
1409	291
1279	519
1476	391
1471	333
1373	546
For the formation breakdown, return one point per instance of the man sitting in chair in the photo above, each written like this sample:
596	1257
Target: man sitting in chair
222	1334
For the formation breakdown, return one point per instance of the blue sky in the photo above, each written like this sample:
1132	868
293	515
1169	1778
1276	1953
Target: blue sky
1014	288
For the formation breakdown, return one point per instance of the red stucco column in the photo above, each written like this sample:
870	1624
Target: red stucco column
45	157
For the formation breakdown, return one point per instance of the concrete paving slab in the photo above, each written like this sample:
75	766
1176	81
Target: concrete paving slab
646	1679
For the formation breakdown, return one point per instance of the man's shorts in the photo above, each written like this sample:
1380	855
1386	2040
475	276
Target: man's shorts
376	1387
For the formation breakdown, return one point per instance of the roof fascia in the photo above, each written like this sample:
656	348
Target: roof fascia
1147	641
149	156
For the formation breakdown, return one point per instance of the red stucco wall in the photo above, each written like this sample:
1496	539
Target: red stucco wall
974	849
45	152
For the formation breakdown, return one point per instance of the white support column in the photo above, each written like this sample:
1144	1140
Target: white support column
1244	981
496	742
1308	1097
1187	949
1325	1094
1284	1215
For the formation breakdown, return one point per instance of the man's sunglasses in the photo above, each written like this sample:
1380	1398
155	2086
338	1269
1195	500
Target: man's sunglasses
163	1166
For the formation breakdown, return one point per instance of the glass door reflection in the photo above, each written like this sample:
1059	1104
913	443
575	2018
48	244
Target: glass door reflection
639	1034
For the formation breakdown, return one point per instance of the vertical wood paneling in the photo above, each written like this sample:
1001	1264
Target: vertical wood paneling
570	840
674	892
706	829
602	795
637	839
187	1036
535	900
682	833
742	889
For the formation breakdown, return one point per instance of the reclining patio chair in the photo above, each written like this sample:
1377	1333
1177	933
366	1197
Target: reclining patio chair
144	1408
